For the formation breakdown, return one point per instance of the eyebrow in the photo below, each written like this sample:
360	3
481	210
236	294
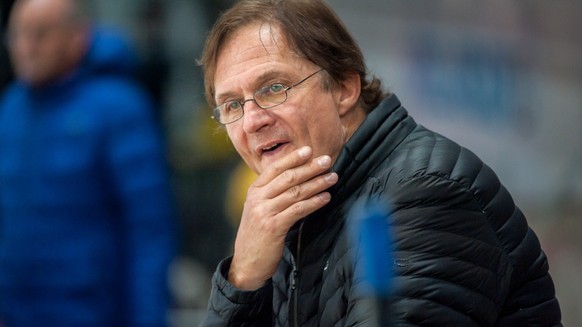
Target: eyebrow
256	84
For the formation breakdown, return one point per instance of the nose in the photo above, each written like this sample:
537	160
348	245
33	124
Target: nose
255	118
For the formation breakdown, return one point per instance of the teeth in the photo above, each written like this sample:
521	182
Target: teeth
271	147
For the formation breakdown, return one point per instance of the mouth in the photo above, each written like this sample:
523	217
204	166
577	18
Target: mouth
272	148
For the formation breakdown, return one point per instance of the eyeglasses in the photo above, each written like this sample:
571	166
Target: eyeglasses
266	97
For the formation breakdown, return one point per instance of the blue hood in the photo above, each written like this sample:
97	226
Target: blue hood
109	52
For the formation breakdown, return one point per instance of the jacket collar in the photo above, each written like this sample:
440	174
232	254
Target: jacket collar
375	139
372	143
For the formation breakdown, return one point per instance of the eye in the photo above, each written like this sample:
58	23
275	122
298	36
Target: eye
271	90
232	106
275	89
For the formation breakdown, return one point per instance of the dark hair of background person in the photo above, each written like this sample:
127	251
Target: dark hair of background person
305	25
6	73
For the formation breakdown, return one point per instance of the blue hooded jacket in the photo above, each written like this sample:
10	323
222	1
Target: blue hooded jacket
86	218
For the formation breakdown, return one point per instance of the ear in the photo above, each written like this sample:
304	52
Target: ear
348	93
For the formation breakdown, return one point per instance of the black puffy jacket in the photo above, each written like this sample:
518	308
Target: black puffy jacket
464	255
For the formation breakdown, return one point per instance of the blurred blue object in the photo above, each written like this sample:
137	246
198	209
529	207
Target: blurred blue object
369	228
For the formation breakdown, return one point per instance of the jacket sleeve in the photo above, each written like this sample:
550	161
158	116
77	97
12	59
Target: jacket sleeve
531	296
139	176
229	306
466	257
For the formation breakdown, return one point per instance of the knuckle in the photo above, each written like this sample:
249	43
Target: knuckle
289	175
275	167
259	211
254	208
270	226
296	192
298	209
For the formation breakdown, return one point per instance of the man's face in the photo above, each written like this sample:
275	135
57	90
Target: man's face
254	57
40	42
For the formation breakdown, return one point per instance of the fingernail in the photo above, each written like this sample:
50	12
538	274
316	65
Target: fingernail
331	178
304	151
325	196
324	161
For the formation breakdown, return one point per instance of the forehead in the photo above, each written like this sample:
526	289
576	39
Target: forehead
251	44
38	12
252	51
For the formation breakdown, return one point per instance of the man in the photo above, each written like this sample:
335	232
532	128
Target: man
290	85
86	234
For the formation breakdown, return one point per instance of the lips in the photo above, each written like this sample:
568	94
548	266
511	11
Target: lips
270	147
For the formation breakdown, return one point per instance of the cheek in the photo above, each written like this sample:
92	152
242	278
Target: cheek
21	55
329	139
233	137
239	142
325	132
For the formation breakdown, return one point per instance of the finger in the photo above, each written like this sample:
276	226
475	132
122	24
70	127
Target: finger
299	210
304	191
293	178
294	159
298	201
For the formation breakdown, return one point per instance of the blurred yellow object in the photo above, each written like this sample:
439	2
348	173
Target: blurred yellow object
210	139
241	178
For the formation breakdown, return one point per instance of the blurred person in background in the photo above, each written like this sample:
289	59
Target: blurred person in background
290	86
86	212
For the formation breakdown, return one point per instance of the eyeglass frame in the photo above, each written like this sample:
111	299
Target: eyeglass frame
242	103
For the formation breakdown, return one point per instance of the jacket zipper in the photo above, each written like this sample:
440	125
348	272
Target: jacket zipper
295	281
